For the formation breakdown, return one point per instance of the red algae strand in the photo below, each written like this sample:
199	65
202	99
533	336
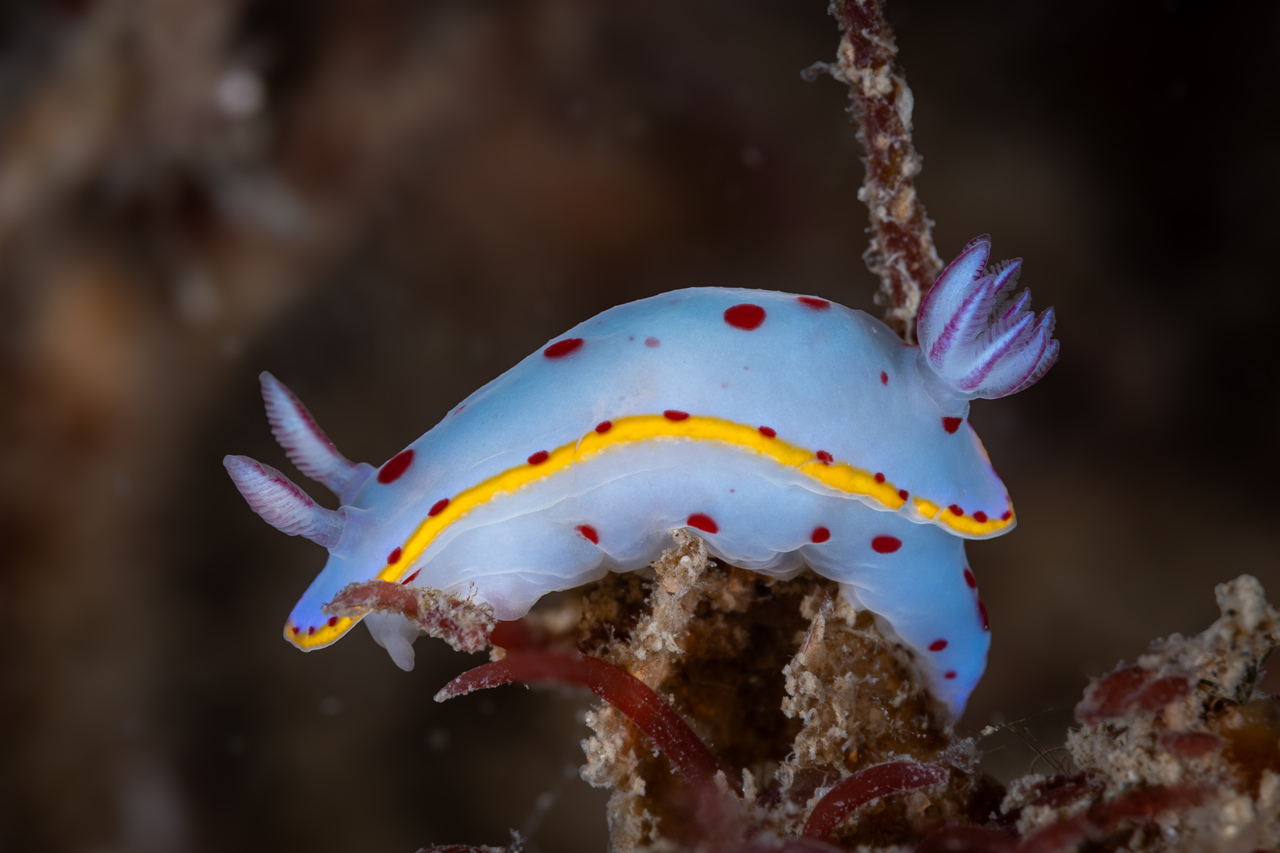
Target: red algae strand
650	712
866	785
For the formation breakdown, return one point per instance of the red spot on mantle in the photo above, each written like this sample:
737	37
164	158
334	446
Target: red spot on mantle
333	620
746	316
885	544
982	612
969	579
820	534
562	348
768	432
980	517
884	378
952	424
393	556
937	645
604	426
879	477
410	579
397	465
538	458
824	457
438	507
675	415
904	494
955	509
701	521
1008	514
813	302
589	533
949	674
652	342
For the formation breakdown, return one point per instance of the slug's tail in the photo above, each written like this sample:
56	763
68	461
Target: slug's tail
976	335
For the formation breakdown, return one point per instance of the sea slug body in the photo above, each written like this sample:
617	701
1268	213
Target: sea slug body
787	430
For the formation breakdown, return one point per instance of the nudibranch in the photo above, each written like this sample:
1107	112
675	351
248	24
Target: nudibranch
787	430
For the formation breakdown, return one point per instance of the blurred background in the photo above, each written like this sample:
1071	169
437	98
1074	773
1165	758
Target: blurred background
387	203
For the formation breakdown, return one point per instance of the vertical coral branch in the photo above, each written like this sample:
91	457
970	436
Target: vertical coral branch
901	252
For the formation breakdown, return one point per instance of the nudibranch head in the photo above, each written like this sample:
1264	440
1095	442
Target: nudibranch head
345	532
979	338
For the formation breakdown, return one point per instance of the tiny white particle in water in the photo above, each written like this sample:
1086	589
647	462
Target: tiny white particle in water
239	93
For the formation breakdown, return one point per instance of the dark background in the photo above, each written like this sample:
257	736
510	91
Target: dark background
389	203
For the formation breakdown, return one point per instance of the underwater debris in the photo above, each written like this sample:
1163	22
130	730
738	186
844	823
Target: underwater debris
788	684
1178	751
816	713
752	714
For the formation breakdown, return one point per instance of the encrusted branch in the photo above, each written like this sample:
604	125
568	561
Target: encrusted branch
462	624
901	252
